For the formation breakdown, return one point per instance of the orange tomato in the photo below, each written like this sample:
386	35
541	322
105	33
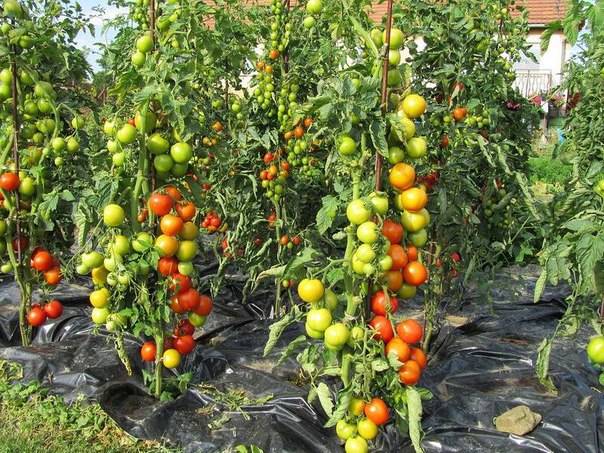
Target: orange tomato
410	373
415	273
171	225
410	331
402	176
414	199
460	113
186	210
412	253
399	348
174	193
419	356
167	245
53	276
399	257
394	280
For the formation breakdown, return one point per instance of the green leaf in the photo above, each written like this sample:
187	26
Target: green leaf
291	347
540	286
379	365
325	398
277	329
327	213
542	365
414	408
344	398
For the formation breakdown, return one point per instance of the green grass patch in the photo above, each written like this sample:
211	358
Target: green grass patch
548	170
33	421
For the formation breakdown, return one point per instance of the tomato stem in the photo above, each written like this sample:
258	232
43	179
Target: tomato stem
159	347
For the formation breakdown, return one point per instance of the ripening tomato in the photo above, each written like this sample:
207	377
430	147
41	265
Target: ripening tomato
407	291
356	406
357	212
399	257
189	299
42	261
414	106
394	280
53	276
186	210
415	273
382	327
410	331
399	349
377	411
167	265
160	204
148	351
356	444
175	306
412	253
311	290
414	199
171	358
185	344
205	305
393	231
9	181
167	245
460	113
53	309
179	281
402	176
410	373
419	356
382	304
36	316
171	225
367	429
189	231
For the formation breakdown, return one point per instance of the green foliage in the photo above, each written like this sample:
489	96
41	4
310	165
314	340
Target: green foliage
548	170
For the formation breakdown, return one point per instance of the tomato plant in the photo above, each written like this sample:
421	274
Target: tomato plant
40	131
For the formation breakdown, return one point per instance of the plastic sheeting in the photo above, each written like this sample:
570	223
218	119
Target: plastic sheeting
477	370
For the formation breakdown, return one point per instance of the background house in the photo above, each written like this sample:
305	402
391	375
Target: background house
547	72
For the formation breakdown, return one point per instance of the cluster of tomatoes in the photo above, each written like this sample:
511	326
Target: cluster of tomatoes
498	208
212	222
274	177
299	149
144	45
139	10
38	314
286	103
362	423
44	262
313	8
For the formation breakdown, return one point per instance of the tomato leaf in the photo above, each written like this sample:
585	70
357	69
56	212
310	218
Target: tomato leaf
414	410
277	329
325	398
327	213
291	347
344	397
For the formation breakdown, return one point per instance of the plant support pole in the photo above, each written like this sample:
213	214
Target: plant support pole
386	49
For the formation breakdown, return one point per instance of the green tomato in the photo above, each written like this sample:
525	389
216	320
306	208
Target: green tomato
78	122
113	216
367	429
420	238
336	336
100	315
365	253
156	144
357	212
379	202
416	147
318	319
314	6
92	259
12	8
395	78
197	320
397	38
58	161
367	232
356	334
150	121
163	163
376	37
73	145
108	126
27	187
3	227
44	106
138	59
356	445
347	145
331	300
82	269
186	250
408	127
115	322
415	221
407	291
395	155
118	159
121	245
386	263
58	144
186	268
358	266
309	22
127	134
394	57
144	44
179	170
316	334
6	268
142	242
345	430
44	90
595	350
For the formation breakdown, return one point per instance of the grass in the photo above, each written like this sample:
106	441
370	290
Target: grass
32	421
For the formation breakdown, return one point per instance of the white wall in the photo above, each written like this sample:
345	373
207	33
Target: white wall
552	61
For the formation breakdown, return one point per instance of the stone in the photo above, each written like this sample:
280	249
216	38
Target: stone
519	420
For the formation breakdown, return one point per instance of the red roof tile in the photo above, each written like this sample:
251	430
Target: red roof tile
542	12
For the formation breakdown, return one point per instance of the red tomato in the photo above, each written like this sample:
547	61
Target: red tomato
53	309
377	411
393	231
399	348
167	265
410	373
184	327
176	306
399	257
184	344
380	305
383	328
415	273
419	356
410	331
189	299
41	261
36	316
160	204
9	181
180	283
205	305
148	351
